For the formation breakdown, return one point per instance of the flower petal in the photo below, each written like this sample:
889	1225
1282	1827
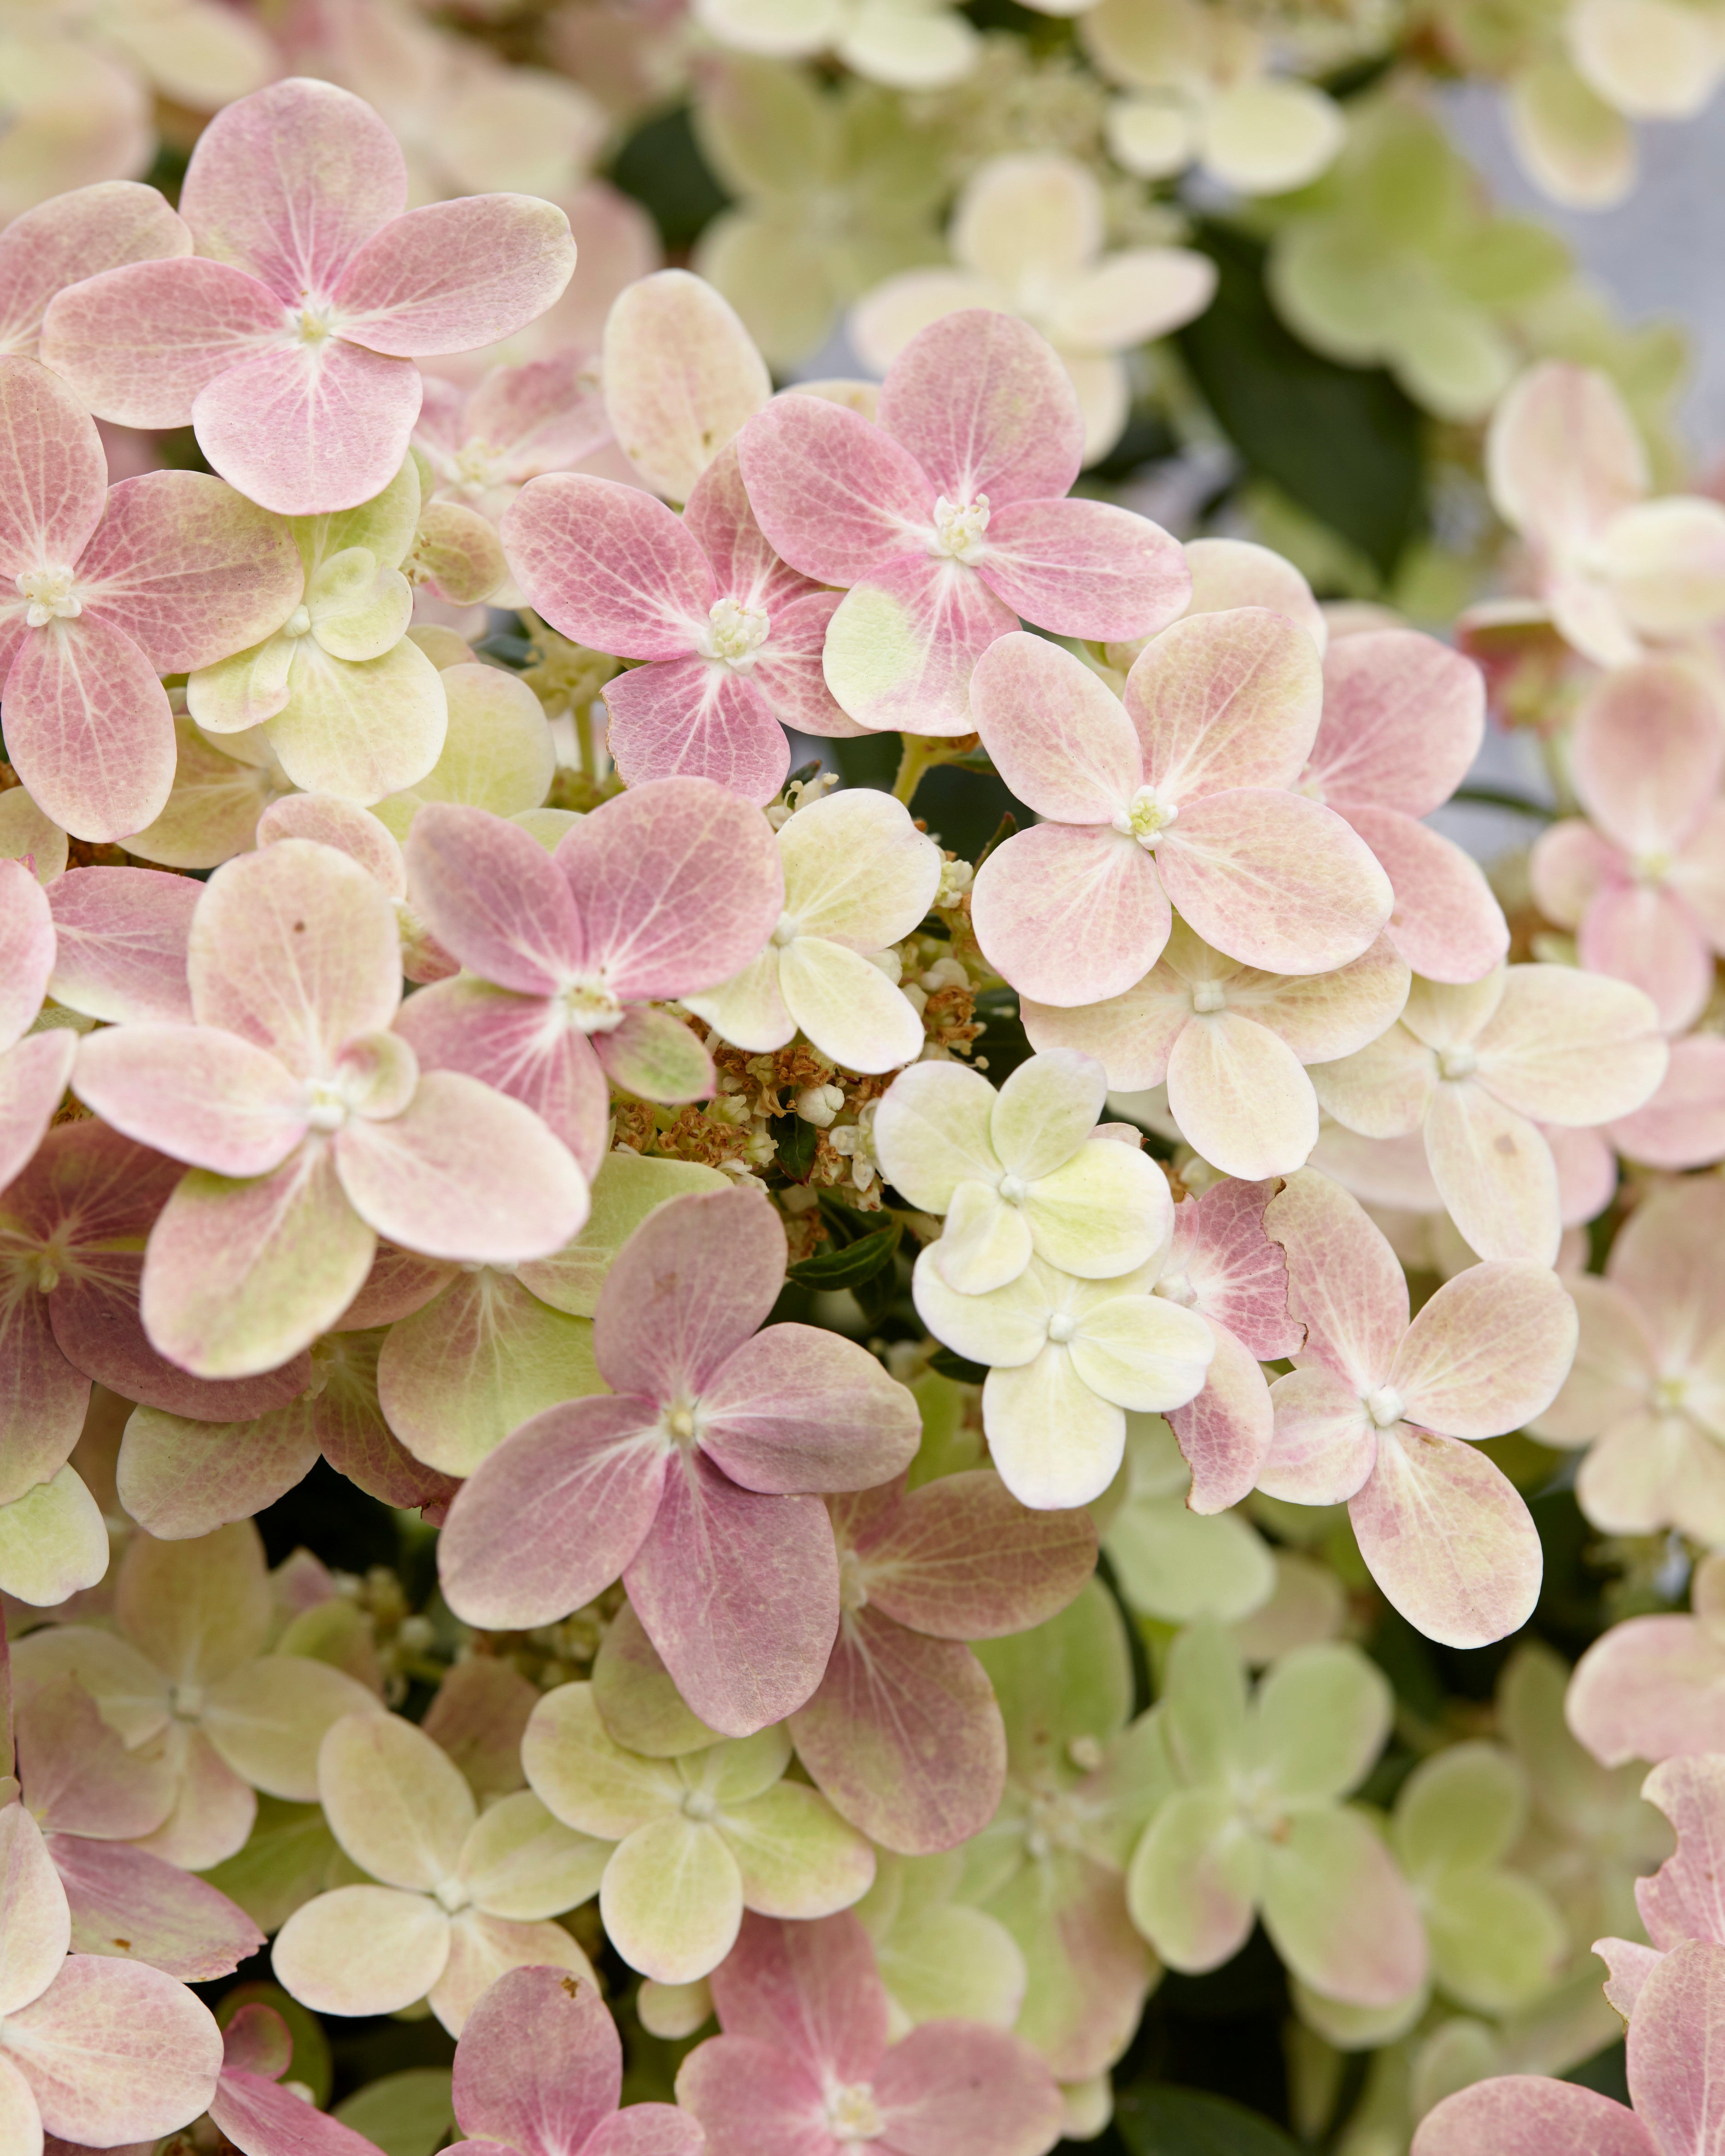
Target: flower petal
1495	1173
609	566
1340	1913
114	2053
1240	1098
1055	731
681	376
452	276
1071	914
1225	699
904	642
690	718
362	1950
396	1803
196	1093
984	406
1446	923
1195	1878
1488	1352
88	726
796	1409
931	1132
1056	1442
1323	1446
848	1007
1568	1047
305	428
1403	720
1085	568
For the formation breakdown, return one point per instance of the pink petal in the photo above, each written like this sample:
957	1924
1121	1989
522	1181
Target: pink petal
1639	934
238	1276
357	1442
552	1516
257	2040
1238	1276
89	728
1525	2115
1664	1262
131	1906
1495	1174
1648	755
478	1717
545	415
1569	865
1070	914
1225	699
1086	568
725	528
1055	731
463	1172
27	950
342	824
180	1479
984	406
1447	1537
904	641
399	1283
260	2119
123	935
678	883
1683	1124
79	1778
302	429
53	477
1404	717
1586	1172
453	276
1225	1434
1239	1097
1568	1047
291	182
788	668
681	375
693	1282
1488	1352
692	718
1447	923
750	2099
609	566
189	570
139	344
962	1559
739	1593
198	1093
1671	2040
1274	880
116	2053
539	2066
519	1045
648	2129
810	1991
73	236
96	1325
1323	1448
493	899
956	2088
295	948
1344	1283
835	496
799	1409
1686	1897
1651	1688
1562	455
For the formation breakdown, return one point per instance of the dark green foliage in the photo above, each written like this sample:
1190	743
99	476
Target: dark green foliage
661	166
1154	2119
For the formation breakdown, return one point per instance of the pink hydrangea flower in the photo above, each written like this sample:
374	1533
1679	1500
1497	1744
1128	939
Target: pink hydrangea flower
1179	798
485	444
254	2110
733	638
1642	880
1672	2039
1647	1393
106	588
1654	1687
73	236
95	2051
947	518
33	1067
306	1123
693	1481
288	340
539	2071
1403	718
1377	1412
1682	1123
904	1735
663	891
803	2067
1685	1899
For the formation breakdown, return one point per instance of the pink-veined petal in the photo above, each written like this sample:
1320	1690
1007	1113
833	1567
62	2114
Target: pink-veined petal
89	728
116	2052
552	1518
1344	1282
139	344
648	2129
689	1286
1495	1174
678	883
1651	1688
1240	1098
691	718
1225	699
1447	1537
656	1057
739	1593
303	428
904	639
957	2088
1488	1352
1322	1447
1070	914
725	527
539	2066
259	2117
798	1410
1677	2012
681	376
1568	1047
196	1093
453	276
1055	731
492	898
38	1925
1639	933
1686	1897
1274	880
122	935
789	671
128	1905
1647	755
809	1990
1570	864
27	950
44	1397
179	1478
1563	456
835	496
1085	568
983	404
1447	922
1682	1125
54	476
961	1559
1238	1277
1525	2115
73	236
1403	720
749	2099
1225	1433
609	566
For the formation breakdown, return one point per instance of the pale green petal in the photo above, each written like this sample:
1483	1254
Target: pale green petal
985	1244
1101	1213
1339	1914
384	526
637	1696
1204	1699
394	1799
672	1900
588	1779
797	1857
1062	1684
497	751
1056	1442
520	1862
1321	1716
361	731
53	1541
1459	1810
626	1188
241	692
1195	1880
1179	1565
738	1768
358	610
1497	1939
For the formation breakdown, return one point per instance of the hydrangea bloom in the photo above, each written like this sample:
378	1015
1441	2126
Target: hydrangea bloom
688	1481
463	1895
666	890
257	2109
803	2067
1375	1410
306	1123
287	339
33	1067
485	444
1179	798
732	638
1652	1687
946	519
73	236
109	586
681	377
912	44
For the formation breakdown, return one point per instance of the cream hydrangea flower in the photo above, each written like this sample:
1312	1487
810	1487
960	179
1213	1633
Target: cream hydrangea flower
907	44
1027	237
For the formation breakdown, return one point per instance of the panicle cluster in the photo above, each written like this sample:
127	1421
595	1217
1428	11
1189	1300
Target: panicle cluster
585	1146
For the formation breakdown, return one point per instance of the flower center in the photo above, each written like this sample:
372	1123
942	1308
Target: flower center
1207	996
853	2114
678	1423
450	1895
700	1805
1177	1288
185	1702
733	633
959	527
1062	1327
1145	818
297	623
1012	1188
314	325
476	467
50	594
1654	867
1669	1394
327	1107
1457	1063
590	1007
853	1582
788	930
1384	1407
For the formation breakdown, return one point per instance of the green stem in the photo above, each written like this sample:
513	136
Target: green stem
1497	797
921	754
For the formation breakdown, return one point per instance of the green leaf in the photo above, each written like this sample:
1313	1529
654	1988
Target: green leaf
849	1267
1343	441
794	1142
662	167
406	2114
954	1366
518	652
1154	2119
